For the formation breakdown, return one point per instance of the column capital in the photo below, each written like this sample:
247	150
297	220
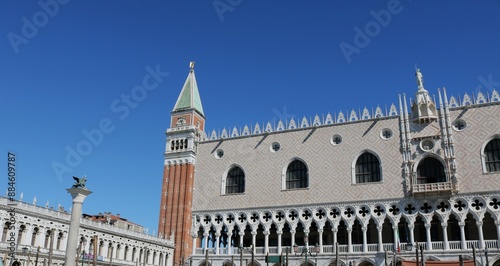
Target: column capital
78	194
479	223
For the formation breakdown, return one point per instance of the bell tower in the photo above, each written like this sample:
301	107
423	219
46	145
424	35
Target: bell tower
187	123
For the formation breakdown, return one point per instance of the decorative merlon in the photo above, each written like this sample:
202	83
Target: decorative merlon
340	117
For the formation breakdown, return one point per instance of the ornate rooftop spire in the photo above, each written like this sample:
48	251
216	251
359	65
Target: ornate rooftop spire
189	98
423	109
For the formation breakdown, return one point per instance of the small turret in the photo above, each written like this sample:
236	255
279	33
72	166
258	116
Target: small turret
423	109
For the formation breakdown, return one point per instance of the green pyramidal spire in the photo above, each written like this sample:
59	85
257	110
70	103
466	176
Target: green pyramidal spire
190	96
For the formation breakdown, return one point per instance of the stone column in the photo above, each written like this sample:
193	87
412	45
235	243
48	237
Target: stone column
279	232
462	235
217	241
266	242
254	240
78	195
39	237
395	233
481	236
335	230
349	239
86	248
205	243
29	235
320	236
380	244
127	256
292	233
241	234
445	236
229	241
365	244
64	242
411	228
428	236
121	252
195	238
103	248
497	223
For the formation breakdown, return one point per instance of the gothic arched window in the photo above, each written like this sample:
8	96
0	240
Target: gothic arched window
296	175
492	156
235	181
430	170
367	168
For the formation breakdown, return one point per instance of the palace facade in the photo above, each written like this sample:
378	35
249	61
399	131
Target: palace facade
359	188
40	235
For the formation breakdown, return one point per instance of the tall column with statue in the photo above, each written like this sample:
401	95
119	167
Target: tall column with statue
78	192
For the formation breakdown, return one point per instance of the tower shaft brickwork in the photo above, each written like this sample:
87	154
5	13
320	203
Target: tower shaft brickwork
187	121
175	217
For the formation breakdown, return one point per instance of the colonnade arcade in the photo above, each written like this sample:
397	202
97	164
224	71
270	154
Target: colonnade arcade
116	248
35	235
457	223
110	247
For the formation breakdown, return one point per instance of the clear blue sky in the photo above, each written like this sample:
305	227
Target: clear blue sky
64	66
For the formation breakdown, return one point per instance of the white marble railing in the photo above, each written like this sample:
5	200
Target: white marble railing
358	248
432	187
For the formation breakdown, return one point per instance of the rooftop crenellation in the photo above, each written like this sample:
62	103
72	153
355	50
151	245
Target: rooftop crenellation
341	117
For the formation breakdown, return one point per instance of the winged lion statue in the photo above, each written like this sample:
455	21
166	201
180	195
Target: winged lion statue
79	182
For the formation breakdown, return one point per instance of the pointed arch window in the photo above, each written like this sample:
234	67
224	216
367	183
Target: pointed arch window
367	169
430	170
492	156
296	175
235	181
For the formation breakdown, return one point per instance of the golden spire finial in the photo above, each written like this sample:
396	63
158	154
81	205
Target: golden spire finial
191	65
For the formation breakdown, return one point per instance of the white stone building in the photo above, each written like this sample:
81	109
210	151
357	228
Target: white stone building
44	231
349	185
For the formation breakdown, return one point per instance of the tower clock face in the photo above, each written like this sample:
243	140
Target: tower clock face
181	121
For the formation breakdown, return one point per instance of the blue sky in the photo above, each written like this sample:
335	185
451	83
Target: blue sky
65	64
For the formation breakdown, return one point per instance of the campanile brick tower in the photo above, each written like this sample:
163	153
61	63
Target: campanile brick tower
187	123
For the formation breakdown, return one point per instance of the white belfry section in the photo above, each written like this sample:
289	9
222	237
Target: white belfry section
78	195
